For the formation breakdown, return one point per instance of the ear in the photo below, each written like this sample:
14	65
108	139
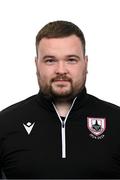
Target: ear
86	62
36	61
36	64
86	59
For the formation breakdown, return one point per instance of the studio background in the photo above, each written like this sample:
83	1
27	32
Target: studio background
20	20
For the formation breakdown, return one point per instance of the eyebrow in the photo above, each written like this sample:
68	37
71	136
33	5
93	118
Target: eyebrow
48	56
73	55
68	56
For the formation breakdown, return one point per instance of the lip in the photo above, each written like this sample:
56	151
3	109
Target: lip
61	81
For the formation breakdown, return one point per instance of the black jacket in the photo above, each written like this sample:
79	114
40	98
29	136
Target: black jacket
36	143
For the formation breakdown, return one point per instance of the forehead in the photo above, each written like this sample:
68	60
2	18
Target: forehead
71	43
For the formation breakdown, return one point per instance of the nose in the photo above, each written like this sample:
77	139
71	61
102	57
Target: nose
61	68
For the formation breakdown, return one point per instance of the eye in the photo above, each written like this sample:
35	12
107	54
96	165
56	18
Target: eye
50	61
72	60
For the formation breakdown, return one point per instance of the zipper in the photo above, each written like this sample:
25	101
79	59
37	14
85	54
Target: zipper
63	128
63	140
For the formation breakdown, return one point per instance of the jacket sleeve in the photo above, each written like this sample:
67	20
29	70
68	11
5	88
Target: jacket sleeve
0	174
0	165
1	130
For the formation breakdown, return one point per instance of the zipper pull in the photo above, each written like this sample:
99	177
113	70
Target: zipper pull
63	124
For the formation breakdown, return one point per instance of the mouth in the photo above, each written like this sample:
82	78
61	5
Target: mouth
61	81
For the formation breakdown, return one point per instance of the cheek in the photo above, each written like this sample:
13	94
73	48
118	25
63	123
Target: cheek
44	75
78	74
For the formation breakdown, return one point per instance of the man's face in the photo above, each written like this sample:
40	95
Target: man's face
61	66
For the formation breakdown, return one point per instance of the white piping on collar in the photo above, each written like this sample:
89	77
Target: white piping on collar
63	128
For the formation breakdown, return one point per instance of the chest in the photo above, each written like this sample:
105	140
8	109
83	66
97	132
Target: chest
45	148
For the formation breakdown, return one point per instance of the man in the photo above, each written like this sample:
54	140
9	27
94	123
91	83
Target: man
62	132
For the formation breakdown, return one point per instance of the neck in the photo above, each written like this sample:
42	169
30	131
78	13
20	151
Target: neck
63	108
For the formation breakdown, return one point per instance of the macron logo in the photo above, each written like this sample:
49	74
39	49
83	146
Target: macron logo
28	127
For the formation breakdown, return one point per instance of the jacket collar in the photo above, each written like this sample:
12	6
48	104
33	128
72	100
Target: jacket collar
46	103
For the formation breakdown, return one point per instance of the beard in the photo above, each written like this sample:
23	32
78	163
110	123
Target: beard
60	91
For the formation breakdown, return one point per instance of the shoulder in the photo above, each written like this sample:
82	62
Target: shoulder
13	117
102	104
18	107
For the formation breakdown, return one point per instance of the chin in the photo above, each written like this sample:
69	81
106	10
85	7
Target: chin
62	92
62	95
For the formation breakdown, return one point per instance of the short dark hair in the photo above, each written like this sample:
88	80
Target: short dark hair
59	29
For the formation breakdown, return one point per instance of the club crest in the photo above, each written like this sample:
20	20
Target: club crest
96	125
